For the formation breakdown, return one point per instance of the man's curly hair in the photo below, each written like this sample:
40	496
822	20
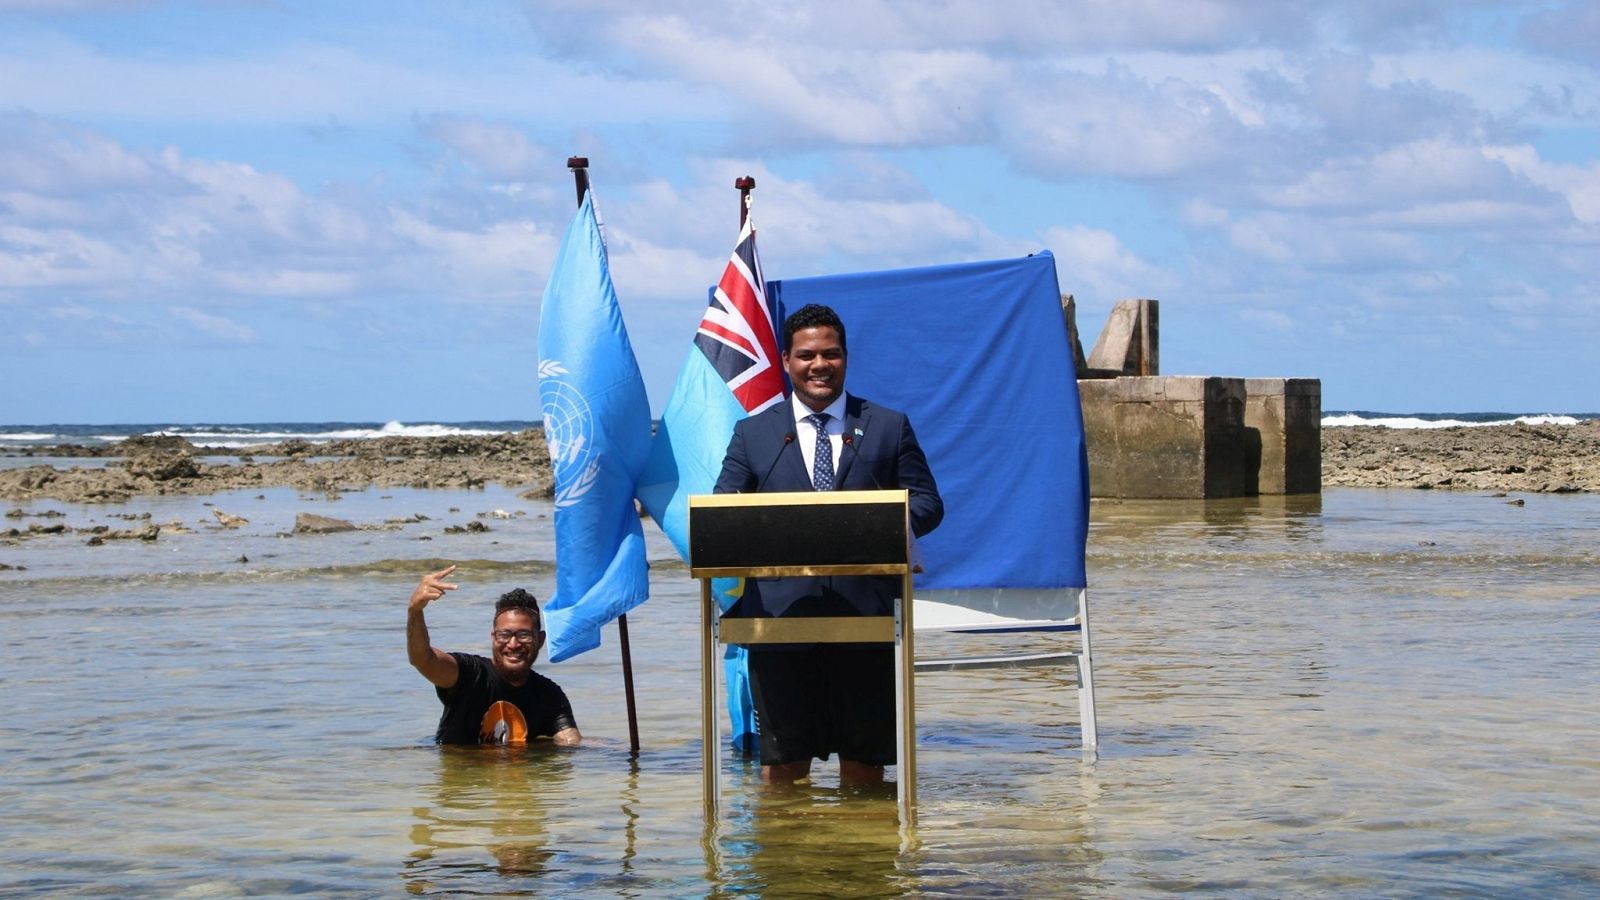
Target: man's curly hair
520	599
813	315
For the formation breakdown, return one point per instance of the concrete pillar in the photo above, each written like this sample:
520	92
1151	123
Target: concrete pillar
1130	344
1287	413
1069	311
1169	436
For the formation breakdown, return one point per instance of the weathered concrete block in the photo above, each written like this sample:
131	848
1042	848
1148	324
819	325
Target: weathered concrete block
1191	388
1287	413
1169	437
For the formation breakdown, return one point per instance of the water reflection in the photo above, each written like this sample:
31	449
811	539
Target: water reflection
809	838
630	816
488	816
1391	697
1291	516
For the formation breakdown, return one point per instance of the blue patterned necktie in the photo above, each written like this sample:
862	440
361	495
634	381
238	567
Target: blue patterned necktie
822	466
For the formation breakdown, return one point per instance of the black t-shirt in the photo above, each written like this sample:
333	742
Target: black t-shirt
541	701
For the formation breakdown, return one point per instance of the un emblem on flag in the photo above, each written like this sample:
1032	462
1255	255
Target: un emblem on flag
568	427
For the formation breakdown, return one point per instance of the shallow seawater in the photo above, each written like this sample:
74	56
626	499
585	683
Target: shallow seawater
1367	693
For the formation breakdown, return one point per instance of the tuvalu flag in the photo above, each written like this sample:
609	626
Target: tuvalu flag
597	424
732	371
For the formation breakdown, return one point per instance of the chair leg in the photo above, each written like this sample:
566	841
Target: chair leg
1091	733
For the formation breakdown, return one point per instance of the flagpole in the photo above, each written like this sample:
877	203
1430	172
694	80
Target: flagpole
579	166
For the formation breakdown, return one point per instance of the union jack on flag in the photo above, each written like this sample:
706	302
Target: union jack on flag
737	334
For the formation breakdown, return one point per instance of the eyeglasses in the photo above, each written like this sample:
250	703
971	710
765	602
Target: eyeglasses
506	636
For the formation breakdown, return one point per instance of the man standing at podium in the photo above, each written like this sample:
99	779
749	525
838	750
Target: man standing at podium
816	699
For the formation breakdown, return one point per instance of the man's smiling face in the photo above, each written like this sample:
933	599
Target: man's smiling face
515	639
815	361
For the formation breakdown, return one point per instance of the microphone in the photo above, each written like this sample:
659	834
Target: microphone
787	440
850	444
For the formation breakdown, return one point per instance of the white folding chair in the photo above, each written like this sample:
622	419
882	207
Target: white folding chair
994	611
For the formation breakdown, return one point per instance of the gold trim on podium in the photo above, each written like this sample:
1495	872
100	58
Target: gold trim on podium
792	498
808	630
782	571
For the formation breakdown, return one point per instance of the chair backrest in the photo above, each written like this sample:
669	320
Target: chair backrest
998	610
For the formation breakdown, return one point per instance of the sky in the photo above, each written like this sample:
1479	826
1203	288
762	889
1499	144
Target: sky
275	210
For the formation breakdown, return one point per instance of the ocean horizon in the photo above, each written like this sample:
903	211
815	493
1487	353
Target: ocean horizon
240	435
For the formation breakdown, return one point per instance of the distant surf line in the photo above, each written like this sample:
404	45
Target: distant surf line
1340	418
246	434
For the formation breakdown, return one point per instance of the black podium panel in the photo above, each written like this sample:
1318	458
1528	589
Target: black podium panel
816	532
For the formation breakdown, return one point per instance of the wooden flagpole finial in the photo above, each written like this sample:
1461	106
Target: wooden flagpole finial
745	184
580	174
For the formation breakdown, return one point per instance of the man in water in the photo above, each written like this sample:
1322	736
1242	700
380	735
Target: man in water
813	700
490	701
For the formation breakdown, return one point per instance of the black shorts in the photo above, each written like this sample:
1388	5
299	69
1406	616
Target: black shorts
824	698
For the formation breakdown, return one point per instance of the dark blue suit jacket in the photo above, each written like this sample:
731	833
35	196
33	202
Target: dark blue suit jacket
884	454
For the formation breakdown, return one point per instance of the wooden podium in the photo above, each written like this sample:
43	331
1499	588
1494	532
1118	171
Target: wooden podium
804	533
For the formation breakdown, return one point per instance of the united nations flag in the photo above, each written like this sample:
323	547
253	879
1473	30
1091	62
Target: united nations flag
597	424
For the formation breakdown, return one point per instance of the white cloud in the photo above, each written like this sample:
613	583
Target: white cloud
1258	238
500	150
1427	205
1094	265
803	229
1571	29
1025	27
286	283
501	259
886	97
869	232
1348	106
1309	242
1119	124
661	286
70	322
1502	82
163	225
1578	185
1270	319
59	257
73	312
53	159
1402	176
302	82
214	327
88	213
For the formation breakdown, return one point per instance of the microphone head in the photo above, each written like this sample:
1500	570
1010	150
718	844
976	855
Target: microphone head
848	440
788	438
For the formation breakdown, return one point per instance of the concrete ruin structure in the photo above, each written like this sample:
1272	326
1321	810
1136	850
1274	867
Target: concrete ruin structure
1188	436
